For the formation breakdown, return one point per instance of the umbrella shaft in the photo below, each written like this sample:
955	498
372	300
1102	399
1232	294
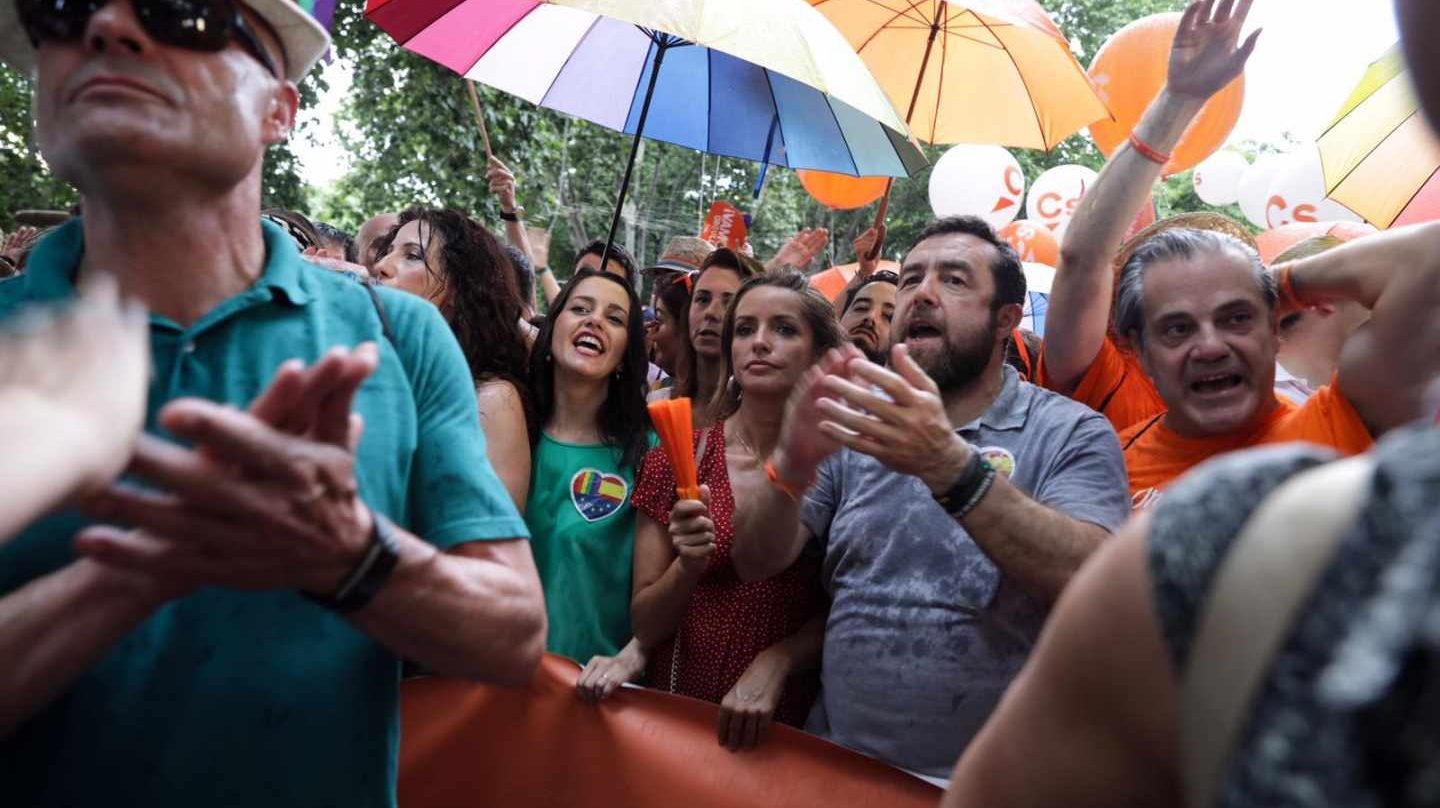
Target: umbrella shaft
661	45
925	60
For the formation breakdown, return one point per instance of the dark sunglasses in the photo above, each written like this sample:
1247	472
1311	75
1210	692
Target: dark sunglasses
198	25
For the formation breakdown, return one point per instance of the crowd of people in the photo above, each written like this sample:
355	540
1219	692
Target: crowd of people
258	467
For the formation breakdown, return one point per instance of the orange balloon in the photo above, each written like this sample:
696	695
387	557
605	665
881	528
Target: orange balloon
1035	243
840	191
1274	242
1130	71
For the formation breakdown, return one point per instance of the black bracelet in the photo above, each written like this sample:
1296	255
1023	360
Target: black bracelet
370	575
512	216
971	487
986	482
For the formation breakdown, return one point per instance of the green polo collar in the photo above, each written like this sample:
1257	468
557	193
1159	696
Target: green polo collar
50	270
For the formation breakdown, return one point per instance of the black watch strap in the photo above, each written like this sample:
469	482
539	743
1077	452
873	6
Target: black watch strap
971	487
370	575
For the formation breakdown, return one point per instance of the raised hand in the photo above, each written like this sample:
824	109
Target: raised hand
1204	58
502	184
18	242
867	249
800	251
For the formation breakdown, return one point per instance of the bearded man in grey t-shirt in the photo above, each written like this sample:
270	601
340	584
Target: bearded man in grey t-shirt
952	502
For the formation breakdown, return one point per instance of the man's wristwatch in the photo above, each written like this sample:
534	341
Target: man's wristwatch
969	489
370	575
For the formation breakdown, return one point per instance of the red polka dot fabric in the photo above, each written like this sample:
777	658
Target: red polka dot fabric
728	621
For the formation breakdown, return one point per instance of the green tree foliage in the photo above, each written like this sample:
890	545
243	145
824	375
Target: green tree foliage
26	182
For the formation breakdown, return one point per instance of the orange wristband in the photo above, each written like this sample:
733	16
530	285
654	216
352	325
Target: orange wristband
795	494
1147	151
1289	300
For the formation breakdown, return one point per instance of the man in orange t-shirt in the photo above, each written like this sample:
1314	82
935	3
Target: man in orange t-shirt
1198	311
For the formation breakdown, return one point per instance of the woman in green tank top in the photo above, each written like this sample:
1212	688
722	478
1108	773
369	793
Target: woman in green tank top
587	375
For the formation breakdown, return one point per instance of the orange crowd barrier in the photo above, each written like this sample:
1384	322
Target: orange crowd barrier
467	745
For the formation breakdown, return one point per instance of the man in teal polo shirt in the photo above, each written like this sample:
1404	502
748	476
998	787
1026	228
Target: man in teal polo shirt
229	631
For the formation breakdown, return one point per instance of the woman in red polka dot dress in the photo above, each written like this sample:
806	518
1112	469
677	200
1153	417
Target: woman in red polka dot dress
752	647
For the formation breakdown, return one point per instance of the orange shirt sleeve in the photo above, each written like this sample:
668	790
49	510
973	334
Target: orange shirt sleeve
1329	419
1115	386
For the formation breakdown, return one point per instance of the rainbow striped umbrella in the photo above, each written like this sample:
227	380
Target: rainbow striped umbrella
764	80
322	10
1380	156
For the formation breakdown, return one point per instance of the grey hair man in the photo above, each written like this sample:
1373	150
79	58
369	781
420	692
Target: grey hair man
232	632
1189	370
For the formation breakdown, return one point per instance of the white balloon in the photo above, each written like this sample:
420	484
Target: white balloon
1217	180
1255	187
984	181
1055	194
1038	277
1297	193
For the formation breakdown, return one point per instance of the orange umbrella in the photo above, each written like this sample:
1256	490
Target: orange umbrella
832	282
983	71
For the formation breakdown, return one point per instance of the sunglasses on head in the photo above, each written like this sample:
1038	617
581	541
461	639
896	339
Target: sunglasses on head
198	25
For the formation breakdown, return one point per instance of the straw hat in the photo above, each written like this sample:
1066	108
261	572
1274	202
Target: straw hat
302	38
1308	247
682	254
1203	220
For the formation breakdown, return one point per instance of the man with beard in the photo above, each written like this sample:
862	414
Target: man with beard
952	500
867	314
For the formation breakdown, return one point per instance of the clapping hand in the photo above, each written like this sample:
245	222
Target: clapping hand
903	424
803	445
86	367
267	499
1204	58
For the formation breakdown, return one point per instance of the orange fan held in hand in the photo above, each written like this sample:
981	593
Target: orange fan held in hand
675	423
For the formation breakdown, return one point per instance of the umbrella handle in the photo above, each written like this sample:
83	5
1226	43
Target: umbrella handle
479	117
880	219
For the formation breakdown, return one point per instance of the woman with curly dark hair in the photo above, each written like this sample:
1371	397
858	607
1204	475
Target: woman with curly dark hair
449	259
